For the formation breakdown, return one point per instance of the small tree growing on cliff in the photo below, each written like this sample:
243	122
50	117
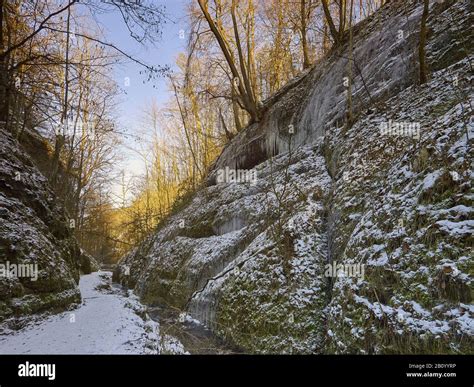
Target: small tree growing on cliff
279	198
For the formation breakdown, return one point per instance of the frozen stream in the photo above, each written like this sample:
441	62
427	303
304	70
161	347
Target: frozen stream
195	338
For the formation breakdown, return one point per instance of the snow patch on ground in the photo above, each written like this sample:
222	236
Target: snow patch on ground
109	321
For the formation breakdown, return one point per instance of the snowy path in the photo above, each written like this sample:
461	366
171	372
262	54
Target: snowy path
105	323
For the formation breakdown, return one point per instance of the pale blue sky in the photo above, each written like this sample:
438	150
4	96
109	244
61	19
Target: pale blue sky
139	94
164	53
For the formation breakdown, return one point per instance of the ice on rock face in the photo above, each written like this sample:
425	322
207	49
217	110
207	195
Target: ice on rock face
203	304
233	224
384	65
250	259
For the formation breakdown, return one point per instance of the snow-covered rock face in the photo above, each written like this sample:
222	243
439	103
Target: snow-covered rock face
250	259
34	239
403	207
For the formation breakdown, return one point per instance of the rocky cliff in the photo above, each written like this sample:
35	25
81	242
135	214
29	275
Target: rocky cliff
251	259
40	260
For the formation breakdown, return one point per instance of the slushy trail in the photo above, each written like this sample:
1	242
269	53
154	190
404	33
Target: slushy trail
106	323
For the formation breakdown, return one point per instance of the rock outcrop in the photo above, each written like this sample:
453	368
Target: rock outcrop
39	256
250	259
88	264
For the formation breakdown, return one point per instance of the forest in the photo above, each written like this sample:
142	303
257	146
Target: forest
56	81
238	177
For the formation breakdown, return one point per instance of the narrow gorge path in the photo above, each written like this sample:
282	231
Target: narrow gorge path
108	321
111	320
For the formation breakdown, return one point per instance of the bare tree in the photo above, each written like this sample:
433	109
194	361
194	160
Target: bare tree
330	22
241	79
349	66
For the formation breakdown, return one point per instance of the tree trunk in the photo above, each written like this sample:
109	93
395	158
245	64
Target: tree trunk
250	50
235	109
244	70
304	43
342	17
243	87
330	22
349	72
60	139
422	46
4	78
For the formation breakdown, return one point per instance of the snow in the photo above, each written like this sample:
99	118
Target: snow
465	227
354	196
105	323
430	180
381	261
405	217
